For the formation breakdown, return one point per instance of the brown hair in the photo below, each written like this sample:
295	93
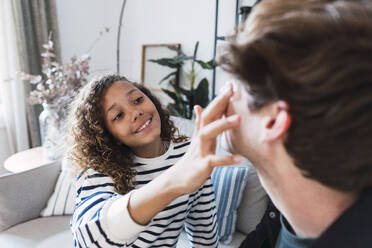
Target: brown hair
317	56
93	146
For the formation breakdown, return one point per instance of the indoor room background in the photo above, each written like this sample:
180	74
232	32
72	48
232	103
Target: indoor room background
83	27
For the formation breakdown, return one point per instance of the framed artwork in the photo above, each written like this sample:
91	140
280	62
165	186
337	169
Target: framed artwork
153	73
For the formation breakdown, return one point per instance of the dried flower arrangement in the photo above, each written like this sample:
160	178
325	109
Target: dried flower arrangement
58	84
55	88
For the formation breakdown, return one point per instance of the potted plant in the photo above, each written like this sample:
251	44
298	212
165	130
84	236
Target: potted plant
196	93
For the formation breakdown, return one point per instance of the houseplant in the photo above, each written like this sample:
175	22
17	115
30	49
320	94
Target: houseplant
195	93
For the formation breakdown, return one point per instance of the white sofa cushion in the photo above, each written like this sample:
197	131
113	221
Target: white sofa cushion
44	232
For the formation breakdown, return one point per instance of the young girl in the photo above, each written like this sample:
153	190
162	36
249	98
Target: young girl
136	188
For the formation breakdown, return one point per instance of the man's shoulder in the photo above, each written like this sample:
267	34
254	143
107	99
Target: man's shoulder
266	232
353	228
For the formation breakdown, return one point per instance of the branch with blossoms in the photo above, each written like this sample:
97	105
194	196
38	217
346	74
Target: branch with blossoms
58	84
57	81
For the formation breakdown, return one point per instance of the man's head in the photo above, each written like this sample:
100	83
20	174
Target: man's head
306	69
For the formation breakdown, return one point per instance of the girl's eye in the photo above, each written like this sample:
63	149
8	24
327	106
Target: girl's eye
138	100
118	116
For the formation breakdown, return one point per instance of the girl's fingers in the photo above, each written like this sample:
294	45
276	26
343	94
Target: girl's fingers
214	161
217	107
198	111
212	130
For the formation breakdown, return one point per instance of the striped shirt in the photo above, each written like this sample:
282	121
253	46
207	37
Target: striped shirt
101	218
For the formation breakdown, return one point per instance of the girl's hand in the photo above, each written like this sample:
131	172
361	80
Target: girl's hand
193	169
197	164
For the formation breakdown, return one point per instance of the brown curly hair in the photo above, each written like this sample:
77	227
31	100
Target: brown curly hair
93	146
317	56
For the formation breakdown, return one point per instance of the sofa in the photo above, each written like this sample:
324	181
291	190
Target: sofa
23	196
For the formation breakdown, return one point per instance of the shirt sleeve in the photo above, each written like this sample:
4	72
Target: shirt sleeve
101	217
201	222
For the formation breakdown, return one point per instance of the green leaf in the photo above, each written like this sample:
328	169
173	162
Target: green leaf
181	58
178	50
174	48
171	94
176	96
201	94
196	49
172	108
181	105
169	62
206	65
168	76
180	90
176	110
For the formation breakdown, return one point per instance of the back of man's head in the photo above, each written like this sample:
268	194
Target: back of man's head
317	56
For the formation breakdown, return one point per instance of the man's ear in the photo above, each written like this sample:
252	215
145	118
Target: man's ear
278	122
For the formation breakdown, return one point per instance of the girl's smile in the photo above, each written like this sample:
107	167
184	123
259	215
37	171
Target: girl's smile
145	126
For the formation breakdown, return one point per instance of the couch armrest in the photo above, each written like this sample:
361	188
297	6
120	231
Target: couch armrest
23	195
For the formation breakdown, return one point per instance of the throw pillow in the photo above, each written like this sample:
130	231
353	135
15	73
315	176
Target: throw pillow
228	183
24	194
62	201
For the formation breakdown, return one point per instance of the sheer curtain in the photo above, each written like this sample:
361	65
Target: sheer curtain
12	91
34	21
24	28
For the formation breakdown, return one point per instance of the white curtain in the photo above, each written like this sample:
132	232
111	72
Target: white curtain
11	90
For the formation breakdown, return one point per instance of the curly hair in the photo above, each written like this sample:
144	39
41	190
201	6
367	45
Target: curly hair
91	145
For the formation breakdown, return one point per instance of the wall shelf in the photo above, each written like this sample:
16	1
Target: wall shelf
241	13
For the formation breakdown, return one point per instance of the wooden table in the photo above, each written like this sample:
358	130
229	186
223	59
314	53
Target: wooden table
26	160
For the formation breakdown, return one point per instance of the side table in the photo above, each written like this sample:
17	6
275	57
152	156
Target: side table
26	160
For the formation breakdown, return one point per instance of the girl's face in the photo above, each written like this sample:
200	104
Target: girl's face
130	116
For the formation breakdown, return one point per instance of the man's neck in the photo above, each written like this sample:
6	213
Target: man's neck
309	207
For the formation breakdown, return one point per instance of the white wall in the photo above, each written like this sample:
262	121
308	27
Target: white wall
145	22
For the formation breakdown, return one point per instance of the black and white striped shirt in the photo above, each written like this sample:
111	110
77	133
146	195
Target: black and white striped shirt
101	219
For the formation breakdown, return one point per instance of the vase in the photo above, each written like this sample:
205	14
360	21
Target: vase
50	132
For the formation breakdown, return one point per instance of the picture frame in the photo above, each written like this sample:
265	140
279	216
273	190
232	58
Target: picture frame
152	73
